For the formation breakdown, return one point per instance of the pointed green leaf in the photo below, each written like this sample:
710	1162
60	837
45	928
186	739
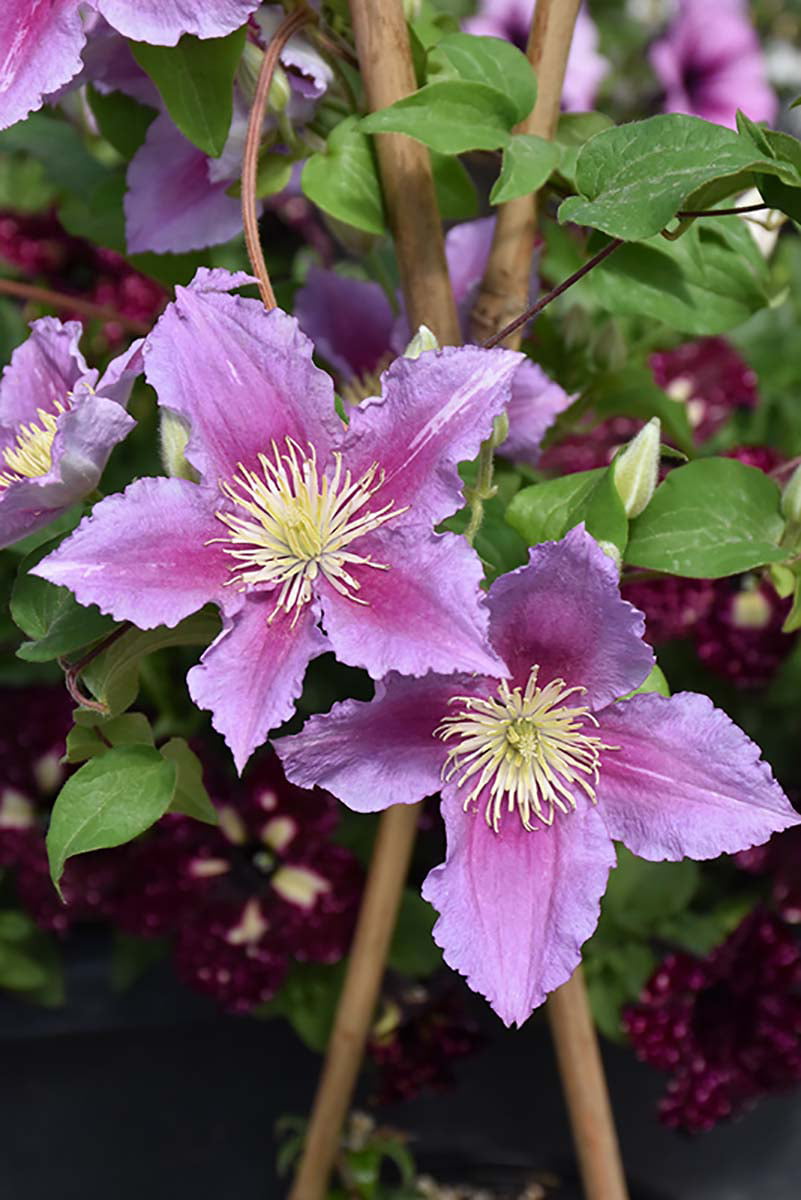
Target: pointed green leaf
51	616
527	163
486	60
343	180
544	512
190	796
451	117
91	741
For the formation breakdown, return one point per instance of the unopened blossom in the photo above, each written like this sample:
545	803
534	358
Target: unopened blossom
241	900
712	68
540	769
295	520
727	1027
356	329
41	43
58	425
586	67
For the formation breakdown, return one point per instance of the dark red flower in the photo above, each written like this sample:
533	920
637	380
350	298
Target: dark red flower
727	1027
672	605
739	636
780	859
710	377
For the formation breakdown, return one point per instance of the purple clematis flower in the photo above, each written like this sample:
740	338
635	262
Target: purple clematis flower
41	42
357	331
540	769
586	68
58	425
295	518
709	68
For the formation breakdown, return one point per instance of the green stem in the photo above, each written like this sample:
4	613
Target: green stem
483	489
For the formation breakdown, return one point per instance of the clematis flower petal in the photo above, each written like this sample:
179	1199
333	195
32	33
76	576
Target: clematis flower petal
259	383
434	413
423	614
171	205
42	371
515	907
308	70
536	403
143	556
162	22
83	441
40	51
349	320
685	781
251	676
372	755
563	611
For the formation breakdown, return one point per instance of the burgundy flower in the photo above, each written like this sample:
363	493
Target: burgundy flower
780	858
672	605
589	447
710	376
727	1027
739	636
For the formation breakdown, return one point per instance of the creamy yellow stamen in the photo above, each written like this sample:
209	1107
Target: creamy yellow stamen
528	747
300	525
32	454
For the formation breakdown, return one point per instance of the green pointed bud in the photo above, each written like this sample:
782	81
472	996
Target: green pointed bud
637	469
500	429
791	498
612	551
423	340
174	434
280	91
247	73
412	9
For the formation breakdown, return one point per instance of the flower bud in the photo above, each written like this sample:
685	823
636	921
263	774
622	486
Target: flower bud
174	434
423	340
613	552
637	468
791	498
247	73
500	429
280	91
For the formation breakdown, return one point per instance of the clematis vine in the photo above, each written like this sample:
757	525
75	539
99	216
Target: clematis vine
41	43
541	767
295	518
357	331
710	72
58	425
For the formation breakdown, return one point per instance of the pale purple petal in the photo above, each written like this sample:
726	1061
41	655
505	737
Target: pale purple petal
378	753
350	321
685	781
171	205
42	371
307	69
143	556
435	412
563	611
40	51
121	374
85	436
426	613
240	376
536	403
251	676
109	65
516	906
163	22
467	248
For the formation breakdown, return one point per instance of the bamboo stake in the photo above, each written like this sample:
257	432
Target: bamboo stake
385	55
504	289
584	1084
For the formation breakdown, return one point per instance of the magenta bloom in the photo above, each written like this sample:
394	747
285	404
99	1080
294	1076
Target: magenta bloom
709	68
727	1027
355	328
41	43
58	425
586	68
711	377
780	859
295	518
541	769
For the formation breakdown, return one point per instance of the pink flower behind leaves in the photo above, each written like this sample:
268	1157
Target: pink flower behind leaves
541	769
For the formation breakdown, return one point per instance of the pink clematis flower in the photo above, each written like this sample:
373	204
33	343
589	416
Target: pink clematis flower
58	425
354	327
295	518
710	68
540	769
41	40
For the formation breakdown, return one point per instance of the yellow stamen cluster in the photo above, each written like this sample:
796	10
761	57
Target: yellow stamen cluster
31	456
528	747
299	525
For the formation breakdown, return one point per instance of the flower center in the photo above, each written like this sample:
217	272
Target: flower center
299	525
31	456
528	747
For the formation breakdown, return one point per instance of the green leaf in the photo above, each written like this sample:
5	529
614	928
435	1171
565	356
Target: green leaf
13	330
793	619
121	120
107	802
132	957
196	81
457	197
527	163
654	681
634	178
573	130
57	144
633	393
96	212
51	616
604	516
343	181
776	192
615	979
451	117
710	518
92	741
30	962
413	950
489	61
308	999
704	283
190	796
545	511
640	895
